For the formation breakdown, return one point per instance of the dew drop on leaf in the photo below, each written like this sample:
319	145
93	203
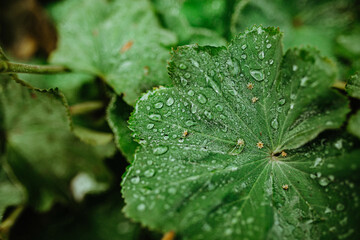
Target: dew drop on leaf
159	105
149	173
141	207
155	117
170	101
160	150
202	99
261	55
257	75
275	123
182	66
135	180
150	126
282	101
324	182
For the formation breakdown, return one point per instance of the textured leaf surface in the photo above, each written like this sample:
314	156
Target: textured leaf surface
211	164
353	86
118	113
354	124
195	21
40	148
120	41
315	23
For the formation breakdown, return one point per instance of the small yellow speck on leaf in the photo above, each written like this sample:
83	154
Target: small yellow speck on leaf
127	46
283	154
285	187
250	86
240	142
260	145
185	133
254	99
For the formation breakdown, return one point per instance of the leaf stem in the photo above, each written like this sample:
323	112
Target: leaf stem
11	67
6	225
86	107
339	85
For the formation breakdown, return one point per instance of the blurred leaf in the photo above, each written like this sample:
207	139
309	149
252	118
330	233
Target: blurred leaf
223	154
315	23
354	124
118	114
10	194
99	218
118	41
40	148
194	21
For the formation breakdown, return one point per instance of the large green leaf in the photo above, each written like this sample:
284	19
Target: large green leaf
315	23
353	86
223	154
195	21
41	149
120	41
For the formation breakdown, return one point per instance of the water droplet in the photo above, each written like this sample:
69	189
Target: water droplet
182	66
294	68
257	75
212	73
155	117
193	108
183	81
195	63
340	207
268	45
282	101
150	126
172	190
187	75
261	55
202	99
324	182
141	207
208	114
191	93
275	123
303	81
170	101
160	150
190	123
135	180
219	107
243	47
271	62
243	56
149	173
159	105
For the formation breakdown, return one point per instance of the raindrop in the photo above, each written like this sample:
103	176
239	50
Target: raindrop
135	180
243	56
155	117
303	81
183	81
212	73
182	66
257	75
294	68
141	207
159	105
208	114
170	101
149	173
271	62
275	123
172	190
324	182
150	126
219	107
190	123
191	93
193	108
340	207
187	75
282	101
202	99
160	150
243	47
268	45
261	55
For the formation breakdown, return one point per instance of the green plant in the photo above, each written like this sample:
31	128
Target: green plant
248	139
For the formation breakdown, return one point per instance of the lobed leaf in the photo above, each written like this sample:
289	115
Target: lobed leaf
225	153
118	41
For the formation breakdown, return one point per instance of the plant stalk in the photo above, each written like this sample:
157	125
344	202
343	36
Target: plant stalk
11	67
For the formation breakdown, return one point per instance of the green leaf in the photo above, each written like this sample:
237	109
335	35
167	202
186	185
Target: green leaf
10	194
212	165
353	86
194	21
118	114
118	41
354	124
315	23
41	149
